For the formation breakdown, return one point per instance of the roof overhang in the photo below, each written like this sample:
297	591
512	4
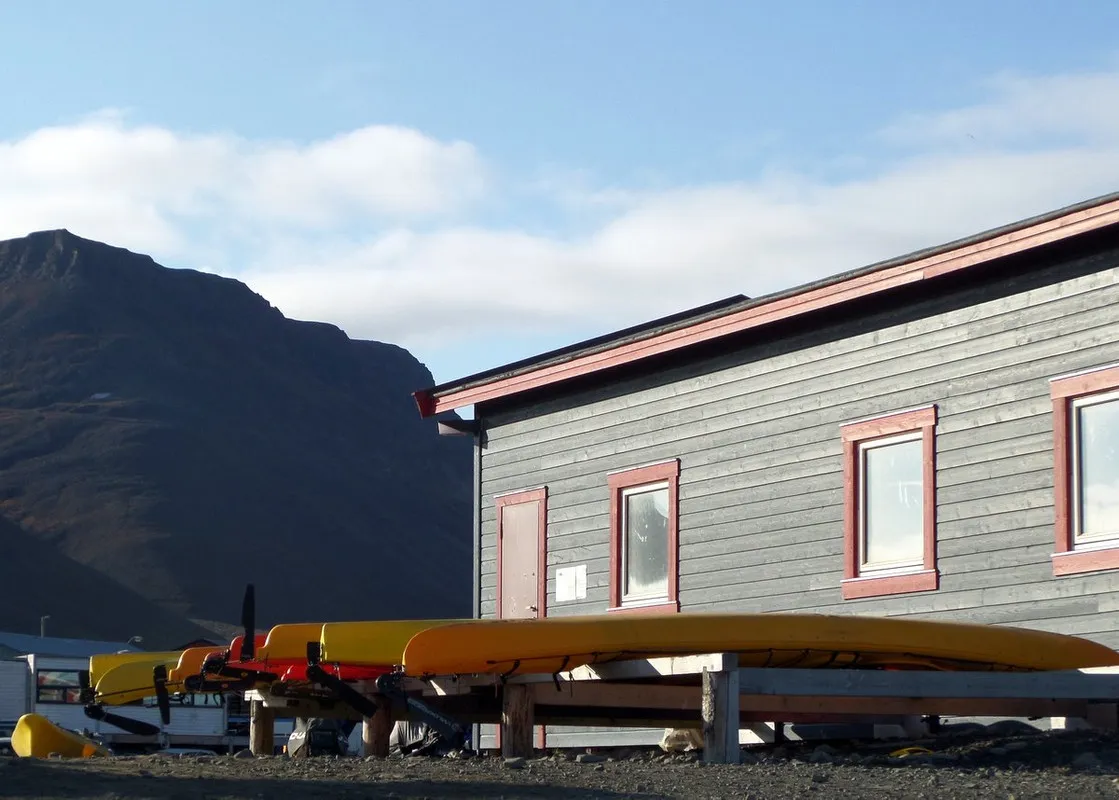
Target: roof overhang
613	351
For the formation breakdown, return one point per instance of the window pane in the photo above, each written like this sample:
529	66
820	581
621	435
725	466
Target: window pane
57	686
894	521
1099	469
646	544
52	677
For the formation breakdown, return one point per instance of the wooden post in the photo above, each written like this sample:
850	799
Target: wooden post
516	721
914	726
375	730
720	713
1103	716
262	729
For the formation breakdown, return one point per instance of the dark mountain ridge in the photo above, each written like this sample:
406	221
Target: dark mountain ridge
173	431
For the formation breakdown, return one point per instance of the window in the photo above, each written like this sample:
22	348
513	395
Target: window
57	686
644	566
1086	471
890	504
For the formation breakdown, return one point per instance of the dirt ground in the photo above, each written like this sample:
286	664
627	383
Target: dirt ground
1035	765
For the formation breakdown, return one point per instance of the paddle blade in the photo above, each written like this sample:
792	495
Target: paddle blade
346	693
159	681
126	724
130	725
248	621
86	691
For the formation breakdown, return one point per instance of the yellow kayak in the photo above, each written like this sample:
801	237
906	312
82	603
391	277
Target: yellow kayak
190	663
761	640
373	643
35	736
131	681
103	662
288	642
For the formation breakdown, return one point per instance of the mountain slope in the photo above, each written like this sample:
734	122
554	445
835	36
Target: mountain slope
86	605
173	431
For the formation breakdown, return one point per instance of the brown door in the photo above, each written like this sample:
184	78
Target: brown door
521	571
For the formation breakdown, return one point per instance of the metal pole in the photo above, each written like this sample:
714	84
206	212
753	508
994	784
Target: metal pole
43	626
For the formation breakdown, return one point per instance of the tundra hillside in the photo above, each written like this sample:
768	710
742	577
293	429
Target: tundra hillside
167	435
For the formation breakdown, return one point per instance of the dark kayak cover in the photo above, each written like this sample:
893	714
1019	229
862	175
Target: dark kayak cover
312	736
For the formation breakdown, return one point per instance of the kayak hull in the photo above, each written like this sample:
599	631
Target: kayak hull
35	736
101	663
129	682
761	640
190	663
372	643
288	642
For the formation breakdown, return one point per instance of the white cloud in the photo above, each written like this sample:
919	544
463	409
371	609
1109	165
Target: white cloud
371	172
670	251
1025	111
146	187
371	229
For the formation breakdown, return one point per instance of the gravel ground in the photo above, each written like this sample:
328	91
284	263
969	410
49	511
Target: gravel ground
1080	765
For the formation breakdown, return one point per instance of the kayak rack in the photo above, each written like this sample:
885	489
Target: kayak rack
712	694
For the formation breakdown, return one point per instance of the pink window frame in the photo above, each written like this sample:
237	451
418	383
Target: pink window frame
854	585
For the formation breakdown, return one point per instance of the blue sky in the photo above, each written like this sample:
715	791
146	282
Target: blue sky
480	181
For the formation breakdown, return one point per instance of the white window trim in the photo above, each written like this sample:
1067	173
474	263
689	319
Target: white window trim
1079	540
627	598
879	569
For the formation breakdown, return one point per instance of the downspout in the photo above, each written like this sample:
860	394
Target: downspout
478	436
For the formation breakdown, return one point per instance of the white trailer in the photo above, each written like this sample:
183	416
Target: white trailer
51	686
14	689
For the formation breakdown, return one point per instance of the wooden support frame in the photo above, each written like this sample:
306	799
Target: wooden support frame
262	729
710	691
376	730
619	695
721	706
774	708
636	669
517	721
289	707
928	684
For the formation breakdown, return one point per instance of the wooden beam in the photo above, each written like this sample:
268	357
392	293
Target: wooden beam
262	729
594	718
291	707
516	721
720	713
677	706
655	667
783	709
634	669
1062	685
442	686
618	695
597	717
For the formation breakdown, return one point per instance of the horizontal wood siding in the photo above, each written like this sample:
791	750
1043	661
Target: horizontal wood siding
761	479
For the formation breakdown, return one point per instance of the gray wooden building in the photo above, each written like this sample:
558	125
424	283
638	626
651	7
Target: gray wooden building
936	435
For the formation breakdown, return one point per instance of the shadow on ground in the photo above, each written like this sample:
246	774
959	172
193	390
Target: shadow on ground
45	780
